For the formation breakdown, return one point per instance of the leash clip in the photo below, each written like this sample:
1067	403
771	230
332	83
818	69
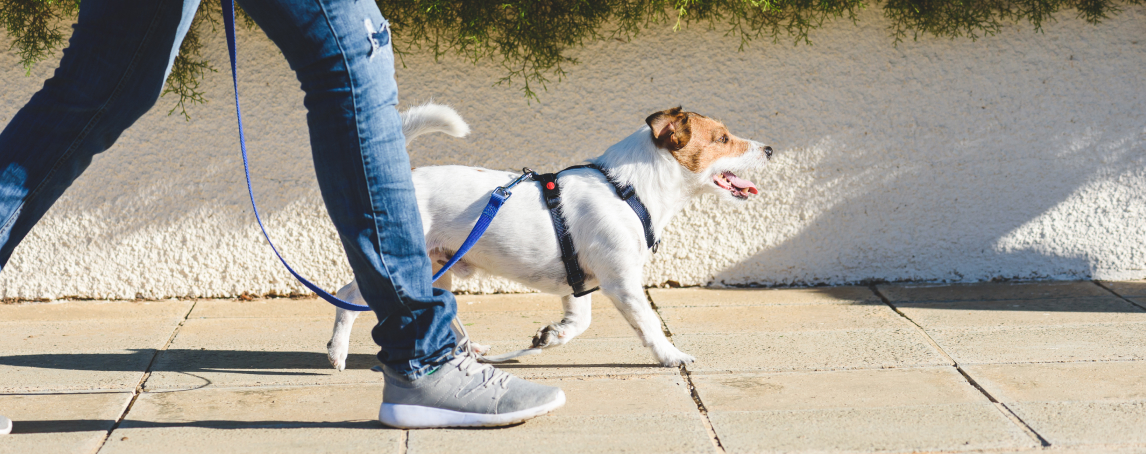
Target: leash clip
526	173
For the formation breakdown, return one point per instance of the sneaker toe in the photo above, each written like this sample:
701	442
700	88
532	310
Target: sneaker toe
524	395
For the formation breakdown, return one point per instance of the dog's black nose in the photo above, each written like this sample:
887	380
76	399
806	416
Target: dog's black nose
768	152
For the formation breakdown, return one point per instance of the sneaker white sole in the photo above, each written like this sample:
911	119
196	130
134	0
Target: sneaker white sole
418	417
6	424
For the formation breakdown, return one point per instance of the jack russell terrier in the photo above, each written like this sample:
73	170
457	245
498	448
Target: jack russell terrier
675	157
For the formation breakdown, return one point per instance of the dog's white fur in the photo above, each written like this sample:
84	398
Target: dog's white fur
520	243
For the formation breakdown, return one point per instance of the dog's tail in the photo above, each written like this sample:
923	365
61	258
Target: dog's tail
430	117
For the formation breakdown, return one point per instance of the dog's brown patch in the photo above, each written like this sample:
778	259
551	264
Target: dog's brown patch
695	140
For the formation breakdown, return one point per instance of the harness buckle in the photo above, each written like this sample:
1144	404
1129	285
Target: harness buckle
626	192
656	246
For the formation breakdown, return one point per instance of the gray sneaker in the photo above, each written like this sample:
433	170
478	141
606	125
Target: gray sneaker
463	393
5	425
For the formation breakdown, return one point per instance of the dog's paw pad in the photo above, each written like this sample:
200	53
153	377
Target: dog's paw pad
549	336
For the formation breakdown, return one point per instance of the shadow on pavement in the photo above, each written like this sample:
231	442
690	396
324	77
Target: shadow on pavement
190	361
92	425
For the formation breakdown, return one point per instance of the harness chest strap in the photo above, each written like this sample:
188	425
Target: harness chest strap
551	192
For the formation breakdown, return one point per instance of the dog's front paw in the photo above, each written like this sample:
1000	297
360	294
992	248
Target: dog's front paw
336	353
671	357
479	349
550	336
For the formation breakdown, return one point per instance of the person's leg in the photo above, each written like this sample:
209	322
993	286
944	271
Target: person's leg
340	51
341	55
111	73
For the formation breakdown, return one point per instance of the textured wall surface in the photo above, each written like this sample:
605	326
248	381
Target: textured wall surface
1021	155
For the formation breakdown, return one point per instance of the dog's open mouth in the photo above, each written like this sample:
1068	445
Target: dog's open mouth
739	187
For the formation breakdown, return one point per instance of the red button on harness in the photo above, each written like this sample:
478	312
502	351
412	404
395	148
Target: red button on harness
549	185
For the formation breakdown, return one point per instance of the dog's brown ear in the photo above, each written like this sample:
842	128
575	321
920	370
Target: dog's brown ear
670	128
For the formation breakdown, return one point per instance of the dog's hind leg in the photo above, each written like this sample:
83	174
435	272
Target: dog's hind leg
630	300
339	345
578	315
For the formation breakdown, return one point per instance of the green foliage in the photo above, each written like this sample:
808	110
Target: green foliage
36	26
531	39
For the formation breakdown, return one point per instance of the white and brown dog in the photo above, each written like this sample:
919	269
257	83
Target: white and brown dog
676	157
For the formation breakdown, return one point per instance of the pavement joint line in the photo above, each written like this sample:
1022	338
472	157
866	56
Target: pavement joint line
684	373
1006	411
135	393
1128	300
404	442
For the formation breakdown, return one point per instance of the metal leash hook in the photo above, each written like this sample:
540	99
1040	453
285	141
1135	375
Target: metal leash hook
526	173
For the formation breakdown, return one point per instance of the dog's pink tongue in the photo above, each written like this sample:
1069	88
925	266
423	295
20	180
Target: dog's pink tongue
740	183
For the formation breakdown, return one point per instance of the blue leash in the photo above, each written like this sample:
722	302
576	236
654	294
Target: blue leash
499	196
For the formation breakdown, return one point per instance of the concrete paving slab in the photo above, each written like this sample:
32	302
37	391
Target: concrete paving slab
953	427
757	319
1127	288
97	354
927	409
624	395
60	372
1073	403
225	352
93	310
1023	312
1029	344
92	335
1072	423
63	423
1104	381
993	291
809	350
584	358
646	433
877	388
300	419
267	308
633	414
703	297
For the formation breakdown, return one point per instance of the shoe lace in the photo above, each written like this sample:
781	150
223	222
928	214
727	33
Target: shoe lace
469	363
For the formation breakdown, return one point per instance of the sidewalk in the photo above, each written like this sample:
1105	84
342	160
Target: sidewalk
1038	367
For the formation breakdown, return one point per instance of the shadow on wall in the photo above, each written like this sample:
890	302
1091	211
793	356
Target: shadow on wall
979	212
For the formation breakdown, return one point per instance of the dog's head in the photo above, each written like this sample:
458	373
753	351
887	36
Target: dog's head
706	148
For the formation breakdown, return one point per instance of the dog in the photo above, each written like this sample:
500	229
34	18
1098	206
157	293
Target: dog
673	158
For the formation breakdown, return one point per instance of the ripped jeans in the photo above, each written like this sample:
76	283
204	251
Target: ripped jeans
113	71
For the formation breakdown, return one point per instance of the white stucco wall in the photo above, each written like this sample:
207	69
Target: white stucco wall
1021	155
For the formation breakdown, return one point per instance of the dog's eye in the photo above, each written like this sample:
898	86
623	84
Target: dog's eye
724	139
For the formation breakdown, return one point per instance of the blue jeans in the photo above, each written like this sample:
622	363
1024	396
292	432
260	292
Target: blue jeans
113	72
